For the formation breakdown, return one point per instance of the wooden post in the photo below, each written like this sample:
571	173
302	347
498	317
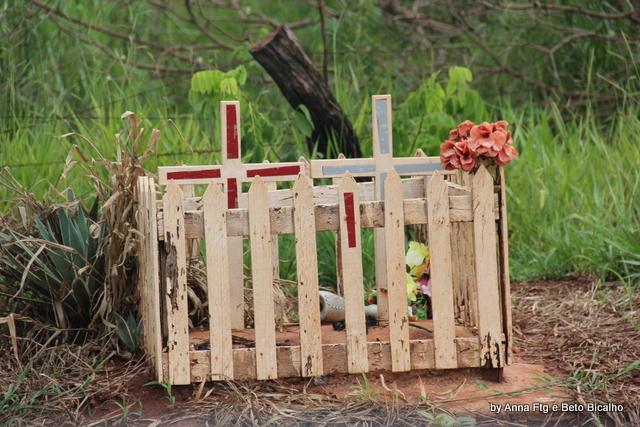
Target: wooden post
339	288
216	241
484	229
262	279
307	267
153	284
444	328
383	153
504	266
351	265
144	261
396	274
275	250
231	160
176	285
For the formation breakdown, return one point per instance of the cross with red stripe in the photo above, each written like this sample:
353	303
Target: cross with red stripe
232	172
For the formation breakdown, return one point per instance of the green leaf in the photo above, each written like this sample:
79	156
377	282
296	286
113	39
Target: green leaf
129	331
302	121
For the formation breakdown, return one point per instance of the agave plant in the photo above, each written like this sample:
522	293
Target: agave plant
59	264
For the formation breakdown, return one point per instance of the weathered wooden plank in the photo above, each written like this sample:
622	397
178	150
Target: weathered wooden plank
153	264
492	352
262	280
307	268
382	127
351	265
219	294
176	285
193	245
372	215
404	166
231	154
412	188
334	358
441	273
143	262
339	287
275	250
396	274
464	272
504	267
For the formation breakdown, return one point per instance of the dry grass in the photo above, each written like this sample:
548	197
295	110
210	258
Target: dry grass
53	378
588	332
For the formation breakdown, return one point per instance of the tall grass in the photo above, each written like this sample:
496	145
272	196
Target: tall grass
573	196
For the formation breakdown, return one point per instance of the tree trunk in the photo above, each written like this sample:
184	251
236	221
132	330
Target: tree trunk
281	55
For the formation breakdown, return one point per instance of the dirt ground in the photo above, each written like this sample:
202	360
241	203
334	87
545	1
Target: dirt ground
574	344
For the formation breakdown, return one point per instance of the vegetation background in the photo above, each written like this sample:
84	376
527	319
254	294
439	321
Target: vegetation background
564	74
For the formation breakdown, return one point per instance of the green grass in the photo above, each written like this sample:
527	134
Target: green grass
572	195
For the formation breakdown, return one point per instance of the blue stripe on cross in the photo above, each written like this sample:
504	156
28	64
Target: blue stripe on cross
383	160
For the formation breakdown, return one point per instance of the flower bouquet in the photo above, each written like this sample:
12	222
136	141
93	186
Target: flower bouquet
470	145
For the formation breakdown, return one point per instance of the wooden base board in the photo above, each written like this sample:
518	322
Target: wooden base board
334	359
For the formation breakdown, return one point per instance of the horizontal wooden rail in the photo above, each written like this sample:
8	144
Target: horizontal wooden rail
334	359
371	212
413	188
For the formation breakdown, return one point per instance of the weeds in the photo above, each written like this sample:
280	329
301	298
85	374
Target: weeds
167	386
129	331
57	264
128	410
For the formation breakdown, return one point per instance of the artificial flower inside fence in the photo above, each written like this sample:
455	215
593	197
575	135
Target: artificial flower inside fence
469	145
418	279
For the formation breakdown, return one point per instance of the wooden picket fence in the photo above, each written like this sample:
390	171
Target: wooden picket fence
467	237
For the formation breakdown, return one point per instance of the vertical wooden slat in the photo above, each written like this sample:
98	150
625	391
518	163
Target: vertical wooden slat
304	221
352	277
420	230
383	153
176	280
143	260
484	230
262	279
231	159
444	331
504	266
339	288
215	231
275	251
396	274
153	288
464	272
193	245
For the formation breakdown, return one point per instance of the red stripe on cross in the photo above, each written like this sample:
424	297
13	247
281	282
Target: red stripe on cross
194	174
274	171
233	149
232	193
350	213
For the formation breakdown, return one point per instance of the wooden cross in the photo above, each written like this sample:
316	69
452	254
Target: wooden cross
232	172
378	167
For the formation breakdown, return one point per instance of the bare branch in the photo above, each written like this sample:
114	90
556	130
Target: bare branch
119	35
632	14
203	30
153	67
